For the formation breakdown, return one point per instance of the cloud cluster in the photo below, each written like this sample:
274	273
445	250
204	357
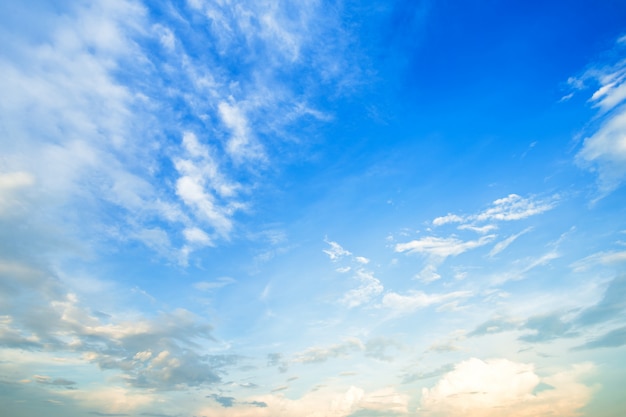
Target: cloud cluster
164	352
601	324
477	388
146	124
437	249
325	401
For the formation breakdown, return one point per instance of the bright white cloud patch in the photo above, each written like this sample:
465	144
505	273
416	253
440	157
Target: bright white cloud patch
497	387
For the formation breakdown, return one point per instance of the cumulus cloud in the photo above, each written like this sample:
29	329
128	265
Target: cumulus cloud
477	388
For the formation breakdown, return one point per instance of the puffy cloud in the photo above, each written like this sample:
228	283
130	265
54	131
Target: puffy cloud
491	388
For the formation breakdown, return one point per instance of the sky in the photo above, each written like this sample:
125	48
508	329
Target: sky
314	208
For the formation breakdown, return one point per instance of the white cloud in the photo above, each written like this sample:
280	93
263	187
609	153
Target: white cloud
514	207
210	285
11	183
442	247
362	260
370	287
599	258
479	229
241	145
415	300
428	274
450	218
197	236
497	387
335	252
528	264
503	244
604	150
324	401
322	354
510	208
191	191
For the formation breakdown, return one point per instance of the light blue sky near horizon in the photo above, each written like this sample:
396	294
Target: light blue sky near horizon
314	208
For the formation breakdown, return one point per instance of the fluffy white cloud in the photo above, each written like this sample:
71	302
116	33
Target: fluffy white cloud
497	387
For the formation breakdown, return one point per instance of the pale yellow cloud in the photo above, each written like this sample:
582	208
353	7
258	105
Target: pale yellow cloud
499	387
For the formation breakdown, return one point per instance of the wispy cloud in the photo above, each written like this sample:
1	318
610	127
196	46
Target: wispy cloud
415	300
442	247
322	354
603	149
502	245
510	208
475	387
336	251
369	288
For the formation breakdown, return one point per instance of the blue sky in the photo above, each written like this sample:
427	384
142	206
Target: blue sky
313	208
